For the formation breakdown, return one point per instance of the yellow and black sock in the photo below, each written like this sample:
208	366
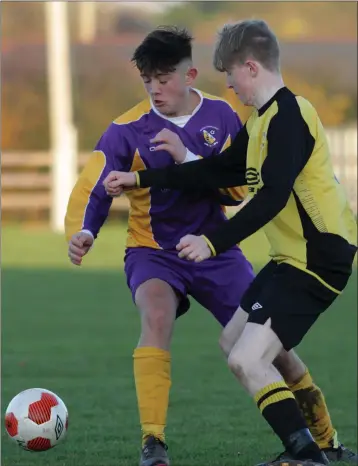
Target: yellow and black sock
313	406
153	381
280	409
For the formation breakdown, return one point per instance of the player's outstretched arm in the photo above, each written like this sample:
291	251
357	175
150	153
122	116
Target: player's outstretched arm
290	145
218	171
89	203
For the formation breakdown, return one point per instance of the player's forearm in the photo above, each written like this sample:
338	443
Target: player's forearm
251	218
96	214
87	209
74	213
89	204
75	222
210	173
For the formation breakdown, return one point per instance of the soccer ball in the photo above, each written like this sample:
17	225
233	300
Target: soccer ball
36	419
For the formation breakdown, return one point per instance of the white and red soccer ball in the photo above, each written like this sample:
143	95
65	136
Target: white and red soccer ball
36	419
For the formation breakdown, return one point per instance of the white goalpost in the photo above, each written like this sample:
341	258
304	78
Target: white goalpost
63	136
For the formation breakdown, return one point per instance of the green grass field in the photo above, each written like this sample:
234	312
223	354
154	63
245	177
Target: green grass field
73	330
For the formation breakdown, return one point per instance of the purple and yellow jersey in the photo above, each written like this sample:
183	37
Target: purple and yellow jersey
157	218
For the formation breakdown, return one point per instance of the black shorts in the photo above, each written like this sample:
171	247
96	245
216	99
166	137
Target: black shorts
293	299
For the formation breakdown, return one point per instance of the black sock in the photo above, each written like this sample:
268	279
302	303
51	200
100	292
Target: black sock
280	409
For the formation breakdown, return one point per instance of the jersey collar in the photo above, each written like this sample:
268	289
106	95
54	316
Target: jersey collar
187	117
268	104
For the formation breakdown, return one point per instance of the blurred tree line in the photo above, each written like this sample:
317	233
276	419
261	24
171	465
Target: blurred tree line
105	83
290	20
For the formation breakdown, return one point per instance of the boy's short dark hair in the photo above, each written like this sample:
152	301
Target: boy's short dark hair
162	50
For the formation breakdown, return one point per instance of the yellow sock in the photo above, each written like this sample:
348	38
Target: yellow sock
152	380
313	406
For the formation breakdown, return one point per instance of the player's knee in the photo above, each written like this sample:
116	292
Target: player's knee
283	362
245	364
156	319
157	303
290	366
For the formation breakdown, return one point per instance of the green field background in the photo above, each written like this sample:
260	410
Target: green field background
72	330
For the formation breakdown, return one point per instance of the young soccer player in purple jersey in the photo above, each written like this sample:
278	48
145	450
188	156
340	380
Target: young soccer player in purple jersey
159	281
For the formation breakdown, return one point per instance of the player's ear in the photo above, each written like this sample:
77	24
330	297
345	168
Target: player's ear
190	76
252	68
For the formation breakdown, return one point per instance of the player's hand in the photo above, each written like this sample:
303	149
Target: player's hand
115	182
79	245
193	248
171	142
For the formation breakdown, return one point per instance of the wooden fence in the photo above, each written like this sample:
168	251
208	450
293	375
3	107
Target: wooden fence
26	185
26	177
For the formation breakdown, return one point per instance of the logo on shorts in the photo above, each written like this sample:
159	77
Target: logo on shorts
209	134
256	306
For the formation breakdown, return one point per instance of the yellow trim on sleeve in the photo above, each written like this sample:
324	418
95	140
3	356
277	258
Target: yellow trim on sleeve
209	243
81	193
137	178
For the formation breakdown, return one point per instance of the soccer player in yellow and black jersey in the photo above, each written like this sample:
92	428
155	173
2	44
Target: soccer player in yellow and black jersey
283	157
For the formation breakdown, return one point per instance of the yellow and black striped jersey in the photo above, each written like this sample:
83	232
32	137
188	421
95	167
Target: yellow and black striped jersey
283	156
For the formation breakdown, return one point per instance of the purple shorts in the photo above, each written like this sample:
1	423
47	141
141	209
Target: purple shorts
218	284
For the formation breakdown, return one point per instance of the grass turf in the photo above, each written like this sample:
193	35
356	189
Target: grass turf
72	331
